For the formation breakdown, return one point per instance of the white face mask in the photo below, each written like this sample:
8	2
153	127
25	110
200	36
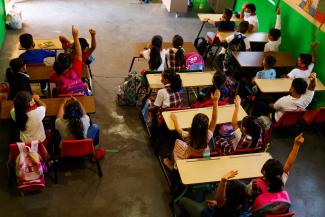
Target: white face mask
246	15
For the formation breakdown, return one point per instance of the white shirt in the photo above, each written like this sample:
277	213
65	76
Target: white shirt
146	55
299	73
237	137
274	45
162	99
62	125
252	20
231	37
288	103
34	125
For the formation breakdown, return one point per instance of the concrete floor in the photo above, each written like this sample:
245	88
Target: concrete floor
133	184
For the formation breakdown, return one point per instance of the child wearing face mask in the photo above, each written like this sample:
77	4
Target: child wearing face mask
248	13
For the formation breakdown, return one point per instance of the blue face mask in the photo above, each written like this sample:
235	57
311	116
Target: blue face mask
246	15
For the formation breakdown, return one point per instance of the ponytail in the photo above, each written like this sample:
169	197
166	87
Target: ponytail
155	58
179	55
21	105
174	80
273	171
73	113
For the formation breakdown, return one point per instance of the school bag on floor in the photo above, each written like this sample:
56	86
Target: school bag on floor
128	90
194	61
30	168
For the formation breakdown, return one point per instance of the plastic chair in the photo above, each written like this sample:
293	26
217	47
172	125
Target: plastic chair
70	94
79	148
315	116
289	118
289	214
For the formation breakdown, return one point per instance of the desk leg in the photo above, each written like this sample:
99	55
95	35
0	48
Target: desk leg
49	88
188	97
203	23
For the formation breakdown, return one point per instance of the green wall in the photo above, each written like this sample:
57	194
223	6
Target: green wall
297	34
2	22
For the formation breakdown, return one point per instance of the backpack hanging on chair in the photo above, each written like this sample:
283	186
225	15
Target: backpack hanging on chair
201	45
30	168
235	45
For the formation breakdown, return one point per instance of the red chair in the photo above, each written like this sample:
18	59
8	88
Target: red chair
289	214
79	148
315	116
289	118
70	95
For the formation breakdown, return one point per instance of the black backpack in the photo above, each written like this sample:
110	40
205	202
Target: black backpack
238	43
201	45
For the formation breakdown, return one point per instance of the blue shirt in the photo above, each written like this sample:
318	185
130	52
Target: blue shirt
36	56
266	74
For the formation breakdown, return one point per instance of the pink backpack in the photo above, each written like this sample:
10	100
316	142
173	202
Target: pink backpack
74	85
29	168
194	61
270	202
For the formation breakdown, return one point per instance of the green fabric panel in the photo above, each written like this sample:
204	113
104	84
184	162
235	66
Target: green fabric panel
2	22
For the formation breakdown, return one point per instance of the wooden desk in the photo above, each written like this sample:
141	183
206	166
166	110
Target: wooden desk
281	85
215	17
52	106
40	44
140	46
190	79
255	37
185	117
254	59
205	170
42	72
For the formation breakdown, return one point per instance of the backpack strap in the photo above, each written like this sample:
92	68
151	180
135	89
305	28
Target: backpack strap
34	146
22	147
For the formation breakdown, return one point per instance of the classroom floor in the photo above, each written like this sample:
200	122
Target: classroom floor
133	184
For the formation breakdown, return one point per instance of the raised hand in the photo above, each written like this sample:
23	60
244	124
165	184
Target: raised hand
237	101
74	31
216	96
299	139
230	174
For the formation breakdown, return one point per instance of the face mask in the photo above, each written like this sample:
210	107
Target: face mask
246	15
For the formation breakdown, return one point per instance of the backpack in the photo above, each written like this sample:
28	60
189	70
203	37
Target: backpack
201	45
194	61
75	85
30	168
128	90
237	44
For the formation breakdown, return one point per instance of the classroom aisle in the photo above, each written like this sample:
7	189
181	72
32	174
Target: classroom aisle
133	184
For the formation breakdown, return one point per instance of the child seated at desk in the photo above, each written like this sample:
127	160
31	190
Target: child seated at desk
300	96
305	64
220	82
72	122
248	13
155	54
268	191
28	113
31	56
225	23
17	78
228	201
274	37
86	50
196	141
67	71
248	135
238	41
175	56
268	72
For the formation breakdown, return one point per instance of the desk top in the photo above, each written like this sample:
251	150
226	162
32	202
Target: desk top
214	17
139	46
52	106
255	37
42	72
205	170
254	59
281	85
190	79
185	117
46	43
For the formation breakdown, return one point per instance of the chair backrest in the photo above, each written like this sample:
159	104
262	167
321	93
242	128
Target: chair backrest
289	118
320	117
77	148
289	214
14	151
